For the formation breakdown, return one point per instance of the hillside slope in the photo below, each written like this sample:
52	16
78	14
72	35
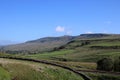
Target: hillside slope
49	43
26	70
84	49
39	45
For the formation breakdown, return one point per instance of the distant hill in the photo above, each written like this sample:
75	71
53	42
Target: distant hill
49	43
39	45
52	39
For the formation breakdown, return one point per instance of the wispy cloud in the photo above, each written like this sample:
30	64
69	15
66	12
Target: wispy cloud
69	32
60	29
89	32
7	42
108	22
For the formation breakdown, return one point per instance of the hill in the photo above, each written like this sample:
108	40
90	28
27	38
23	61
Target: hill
77	52
39	45
87	49
50	43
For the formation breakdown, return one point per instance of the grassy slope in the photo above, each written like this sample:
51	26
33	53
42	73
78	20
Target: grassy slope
82	56
50	55
20	70
4	75
85	53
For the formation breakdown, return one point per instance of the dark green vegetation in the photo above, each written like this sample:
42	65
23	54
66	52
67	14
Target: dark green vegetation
107	64
80	53
103	76
117	64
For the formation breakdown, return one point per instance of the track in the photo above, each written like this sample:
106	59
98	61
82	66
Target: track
85	77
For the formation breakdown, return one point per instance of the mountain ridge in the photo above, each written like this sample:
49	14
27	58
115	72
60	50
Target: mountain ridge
44	39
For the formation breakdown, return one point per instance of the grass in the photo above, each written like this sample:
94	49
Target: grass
50	55
78	65
99	76
78	54
85	65
4	75
24	70
106	43
62	75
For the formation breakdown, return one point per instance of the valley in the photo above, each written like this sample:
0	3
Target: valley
79	55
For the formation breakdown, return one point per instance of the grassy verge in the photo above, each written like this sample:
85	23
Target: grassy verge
60	74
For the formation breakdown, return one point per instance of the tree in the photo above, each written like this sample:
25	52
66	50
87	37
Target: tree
105	64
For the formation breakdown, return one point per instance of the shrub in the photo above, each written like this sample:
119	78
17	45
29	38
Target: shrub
117	64
105	64
85	43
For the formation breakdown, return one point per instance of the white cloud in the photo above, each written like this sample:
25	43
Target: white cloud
69	32
64	30
89	32
60	29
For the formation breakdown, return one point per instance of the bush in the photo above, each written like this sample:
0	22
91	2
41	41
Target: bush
117	64
105	64
85	43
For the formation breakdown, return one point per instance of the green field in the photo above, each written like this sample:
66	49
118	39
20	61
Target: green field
48	55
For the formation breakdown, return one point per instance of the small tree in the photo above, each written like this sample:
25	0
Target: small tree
117	65
105	64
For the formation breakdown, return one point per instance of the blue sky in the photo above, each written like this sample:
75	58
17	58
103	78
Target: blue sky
22	20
